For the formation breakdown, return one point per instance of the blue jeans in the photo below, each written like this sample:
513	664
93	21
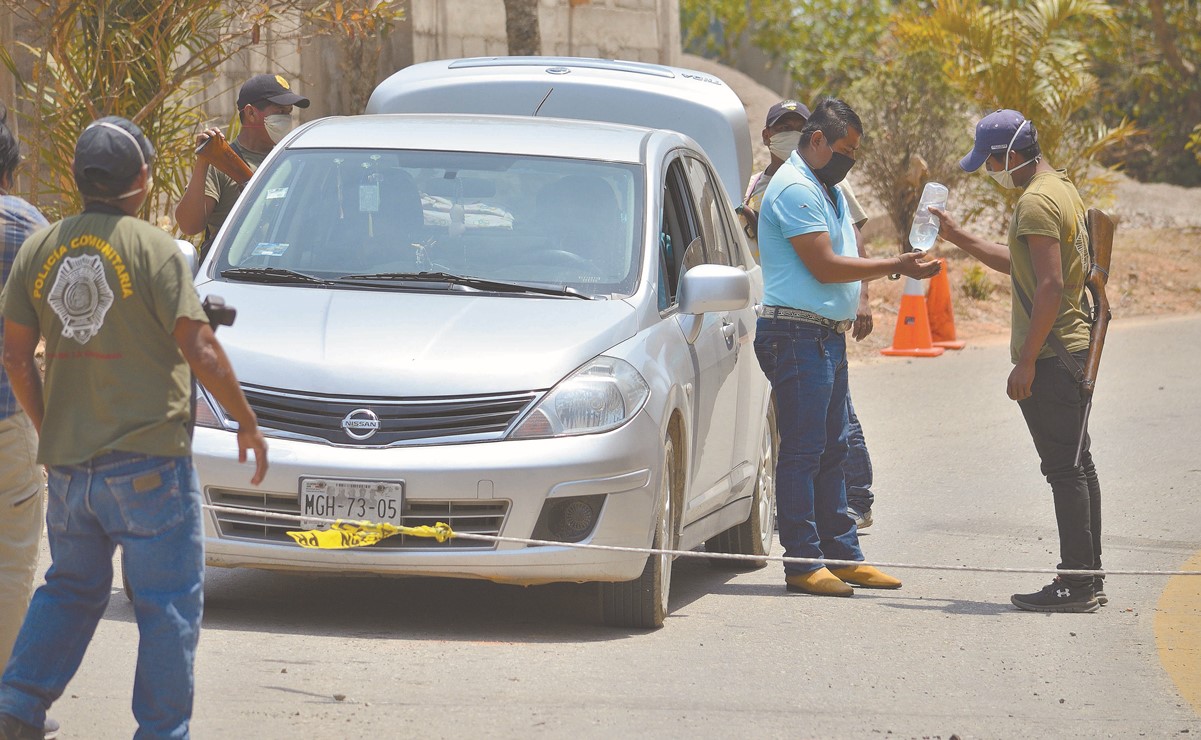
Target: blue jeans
859	465
150	506
807	367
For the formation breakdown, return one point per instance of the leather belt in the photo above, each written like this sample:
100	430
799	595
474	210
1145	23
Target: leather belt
807	317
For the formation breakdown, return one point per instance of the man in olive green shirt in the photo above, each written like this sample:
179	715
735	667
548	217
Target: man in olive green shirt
113	298
1047	257
265	105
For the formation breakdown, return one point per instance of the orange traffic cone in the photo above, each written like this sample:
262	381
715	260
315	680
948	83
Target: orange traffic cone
912	337
942	316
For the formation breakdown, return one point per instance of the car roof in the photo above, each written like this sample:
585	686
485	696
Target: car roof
552	137
696	104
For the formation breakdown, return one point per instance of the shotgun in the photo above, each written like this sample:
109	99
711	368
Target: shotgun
1100	228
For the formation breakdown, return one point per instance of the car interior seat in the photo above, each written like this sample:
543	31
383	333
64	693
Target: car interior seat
580	214
373	225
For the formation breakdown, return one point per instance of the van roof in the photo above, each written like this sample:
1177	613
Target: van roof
649	95
521	135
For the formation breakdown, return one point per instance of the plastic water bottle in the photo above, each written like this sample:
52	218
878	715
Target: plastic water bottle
925	224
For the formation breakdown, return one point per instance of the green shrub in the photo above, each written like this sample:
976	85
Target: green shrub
976	284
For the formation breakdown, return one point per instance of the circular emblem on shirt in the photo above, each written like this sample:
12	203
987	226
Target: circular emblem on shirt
80	297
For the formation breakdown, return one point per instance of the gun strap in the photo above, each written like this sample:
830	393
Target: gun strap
1053	340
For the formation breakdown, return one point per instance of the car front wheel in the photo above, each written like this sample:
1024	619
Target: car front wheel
642	602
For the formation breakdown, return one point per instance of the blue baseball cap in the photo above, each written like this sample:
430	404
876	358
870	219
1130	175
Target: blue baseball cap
994	134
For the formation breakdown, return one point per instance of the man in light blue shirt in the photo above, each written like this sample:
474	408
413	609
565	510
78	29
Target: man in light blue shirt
812	270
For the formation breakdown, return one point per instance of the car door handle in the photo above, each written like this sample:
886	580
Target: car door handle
727	329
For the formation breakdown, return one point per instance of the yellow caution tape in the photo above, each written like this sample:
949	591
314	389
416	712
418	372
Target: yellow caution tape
343	535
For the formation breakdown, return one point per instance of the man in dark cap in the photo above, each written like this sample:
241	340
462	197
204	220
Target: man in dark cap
113	298
1047	257
265	105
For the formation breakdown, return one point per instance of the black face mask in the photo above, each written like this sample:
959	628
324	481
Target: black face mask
835	170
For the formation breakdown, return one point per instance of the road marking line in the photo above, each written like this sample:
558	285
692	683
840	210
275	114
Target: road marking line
1178	633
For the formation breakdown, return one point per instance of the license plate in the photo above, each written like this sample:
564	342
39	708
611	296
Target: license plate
376	501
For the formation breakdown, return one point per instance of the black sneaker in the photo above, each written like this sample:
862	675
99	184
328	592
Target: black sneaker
1099	590
12	728
1058	596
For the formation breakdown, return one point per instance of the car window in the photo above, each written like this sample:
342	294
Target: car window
334	212
675	233
709	206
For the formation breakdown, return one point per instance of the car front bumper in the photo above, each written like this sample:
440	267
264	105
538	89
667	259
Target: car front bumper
497	488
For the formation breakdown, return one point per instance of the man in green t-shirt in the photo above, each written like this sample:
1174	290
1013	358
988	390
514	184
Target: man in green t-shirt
113	298
1047	257
265	105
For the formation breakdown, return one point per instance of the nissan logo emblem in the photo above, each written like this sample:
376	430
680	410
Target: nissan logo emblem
360	424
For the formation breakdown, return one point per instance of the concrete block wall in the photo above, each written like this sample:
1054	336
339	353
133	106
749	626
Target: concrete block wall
638	30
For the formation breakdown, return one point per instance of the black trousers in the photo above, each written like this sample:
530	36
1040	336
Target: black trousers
1053	414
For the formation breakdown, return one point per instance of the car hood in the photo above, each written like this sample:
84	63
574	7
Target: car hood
404	344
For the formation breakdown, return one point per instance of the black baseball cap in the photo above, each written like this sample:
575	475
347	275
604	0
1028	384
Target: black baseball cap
273	89
783	108
110	151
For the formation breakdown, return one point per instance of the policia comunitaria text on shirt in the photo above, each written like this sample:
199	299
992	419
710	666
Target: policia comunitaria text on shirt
113	298
812	272
1048	258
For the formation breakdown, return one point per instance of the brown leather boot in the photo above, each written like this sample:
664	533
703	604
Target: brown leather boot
820	582
866	576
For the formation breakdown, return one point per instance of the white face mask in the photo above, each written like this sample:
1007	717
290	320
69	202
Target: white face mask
277	126
783	144
1004	177
148	186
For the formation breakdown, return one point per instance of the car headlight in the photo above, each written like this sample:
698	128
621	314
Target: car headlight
207	410
602	395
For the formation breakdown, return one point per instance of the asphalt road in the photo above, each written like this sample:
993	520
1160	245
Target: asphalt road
286	656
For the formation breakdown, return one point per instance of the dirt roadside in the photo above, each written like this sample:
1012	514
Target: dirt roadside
1154	273
1156	269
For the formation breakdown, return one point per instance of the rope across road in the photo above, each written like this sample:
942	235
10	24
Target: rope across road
346	534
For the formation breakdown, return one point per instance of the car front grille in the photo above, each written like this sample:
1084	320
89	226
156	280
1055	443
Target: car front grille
473	517
400	420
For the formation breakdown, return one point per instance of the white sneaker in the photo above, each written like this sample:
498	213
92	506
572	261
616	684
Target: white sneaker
862	521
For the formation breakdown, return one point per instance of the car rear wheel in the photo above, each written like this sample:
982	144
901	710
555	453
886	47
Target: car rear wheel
753	536
642	602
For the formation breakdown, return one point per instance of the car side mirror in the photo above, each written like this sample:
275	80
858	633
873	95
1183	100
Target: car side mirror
189	254
711	288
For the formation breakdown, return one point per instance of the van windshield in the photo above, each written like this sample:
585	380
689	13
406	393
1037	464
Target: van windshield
330	213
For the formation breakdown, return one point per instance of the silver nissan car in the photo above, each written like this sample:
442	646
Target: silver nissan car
523	326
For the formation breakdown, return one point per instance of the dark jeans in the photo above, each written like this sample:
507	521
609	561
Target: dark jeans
807	367
858	467
1053	413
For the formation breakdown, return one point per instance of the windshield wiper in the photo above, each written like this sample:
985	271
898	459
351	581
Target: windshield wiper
496	286
272	275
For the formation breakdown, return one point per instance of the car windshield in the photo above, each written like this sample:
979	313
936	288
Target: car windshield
363	215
